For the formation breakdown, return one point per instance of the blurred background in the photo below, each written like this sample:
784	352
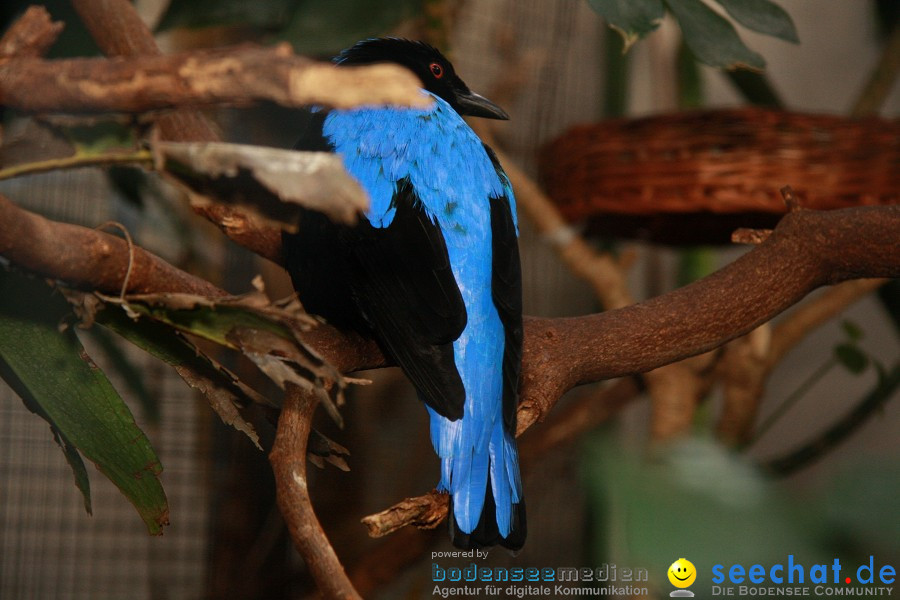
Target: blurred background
613	494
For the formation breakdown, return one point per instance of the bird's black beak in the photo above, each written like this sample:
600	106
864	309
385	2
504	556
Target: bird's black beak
474	105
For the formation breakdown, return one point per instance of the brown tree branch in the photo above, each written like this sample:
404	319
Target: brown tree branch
806	250
288	458
221	76
87	258
881	79
119	31
30	36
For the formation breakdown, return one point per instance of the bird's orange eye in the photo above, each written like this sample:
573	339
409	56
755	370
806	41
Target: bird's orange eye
437	70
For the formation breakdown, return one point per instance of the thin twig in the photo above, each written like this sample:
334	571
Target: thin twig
141	158
840	431
745	235
792	399
810	315
881	80
567	425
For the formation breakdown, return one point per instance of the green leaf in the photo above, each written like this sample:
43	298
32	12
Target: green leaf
695	263
100	138
51	371
854	359
82	481
762	16
129	373
266	333
853	331
756	88
633	19
690	96
711	38
223	389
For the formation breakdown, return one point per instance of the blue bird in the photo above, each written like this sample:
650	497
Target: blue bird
432	273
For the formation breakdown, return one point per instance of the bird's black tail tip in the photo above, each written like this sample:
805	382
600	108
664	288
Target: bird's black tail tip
486	534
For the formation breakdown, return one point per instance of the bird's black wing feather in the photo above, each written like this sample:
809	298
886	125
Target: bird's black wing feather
506	290
394	283
404	287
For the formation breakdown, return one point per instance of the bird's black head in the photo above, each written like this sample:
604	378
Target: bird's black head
430	66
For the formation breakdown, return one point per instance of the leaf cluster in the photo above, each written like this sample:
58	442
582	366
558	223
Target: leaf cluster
43	360
710	35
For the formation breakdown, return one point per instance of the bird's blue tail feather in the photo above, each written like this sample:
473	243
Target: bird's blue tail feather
487	507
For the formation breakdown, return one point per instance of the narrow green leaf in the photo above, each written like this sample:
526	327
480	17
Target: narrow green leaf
129	373
762	16
853	359
82	481
711	38
266	333
73	395
633	19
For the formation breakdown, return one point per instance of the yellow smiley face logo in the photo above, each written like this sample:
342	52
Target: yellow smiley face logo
682	573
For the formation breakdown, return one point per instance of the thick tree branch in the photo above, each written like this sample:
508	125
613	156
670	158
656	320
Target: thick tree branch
119	31
230	75
808	249
87	258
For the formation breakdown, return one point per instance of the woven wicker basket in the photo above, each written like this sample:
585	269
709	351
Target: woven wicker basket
727	162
